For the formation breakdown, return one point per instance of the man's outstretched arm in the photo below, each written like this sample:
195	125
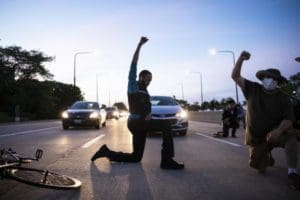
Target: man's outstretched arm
236	72
133	66
132	85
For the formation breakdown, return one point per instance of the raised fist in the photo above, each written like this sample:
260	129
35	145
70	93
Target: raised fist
143	40
245	55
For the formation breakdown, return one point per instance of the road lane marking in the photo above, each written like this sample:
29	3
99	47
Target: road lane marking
223	141
91	142
24	132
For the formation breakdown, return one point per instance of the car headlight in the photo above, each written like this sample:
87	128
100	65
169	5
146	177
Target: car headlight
94	115
182	114
65	115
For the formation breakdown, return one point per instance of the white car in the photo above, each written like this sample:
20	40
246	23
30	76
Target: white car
84	113
166	108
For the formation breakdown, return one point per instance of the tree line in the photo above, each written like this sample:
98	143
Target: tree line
27	88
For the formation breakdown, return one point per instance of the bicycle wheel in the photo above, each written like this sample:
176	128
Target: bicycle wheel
44	178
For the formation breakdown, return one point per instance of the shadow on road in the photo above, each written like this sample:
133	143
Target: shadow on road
119	180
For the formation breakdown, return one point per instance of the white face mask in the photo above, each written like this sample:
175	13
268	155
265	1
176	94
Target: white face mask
269	83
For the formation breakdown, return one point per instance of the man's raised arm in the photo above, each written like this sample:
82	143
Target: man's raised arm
236	72
132	72
132	87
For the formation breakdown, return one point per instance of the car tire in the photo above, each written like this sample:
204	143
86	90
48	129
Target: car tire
104	124
183	133
97	126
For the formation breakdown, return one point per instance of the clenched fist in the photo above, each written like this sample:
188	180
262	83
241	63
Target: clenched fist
143	40
245	55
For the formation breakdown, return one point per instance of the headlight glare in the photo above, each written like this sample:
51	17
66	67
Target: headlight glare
65	115
94	115
182	114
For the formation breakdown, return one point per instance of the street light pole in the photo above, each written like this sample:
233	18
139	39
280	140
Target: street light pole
75	58
201	85
233	58
182	92
97	88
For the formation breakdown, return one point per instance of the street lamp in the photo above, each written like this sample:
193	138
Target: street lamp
75	58
97	90
96	87
182	92
200	85
214	52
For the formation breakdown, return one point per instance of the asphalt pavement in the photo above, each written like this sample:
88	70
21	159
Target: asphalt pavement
215	168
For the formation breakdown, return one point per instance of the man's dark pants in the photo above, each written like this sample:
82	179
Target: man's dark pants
139	130
226	130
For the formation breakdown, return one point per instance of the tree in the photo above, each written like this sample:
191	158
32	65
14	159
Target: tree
195	106
292	87
213	104
20	72
23	64
205	105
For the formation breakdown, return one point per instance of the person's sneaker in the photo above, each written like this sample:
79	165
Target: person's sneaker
171	164
102	152
294	181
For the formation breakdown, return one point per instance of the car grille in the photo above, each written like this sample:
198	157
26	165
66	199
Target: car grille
82	115
164	115
173	121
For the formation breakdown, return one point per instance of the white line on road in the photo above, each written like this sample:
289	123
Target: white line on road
24	132
223	141
91	142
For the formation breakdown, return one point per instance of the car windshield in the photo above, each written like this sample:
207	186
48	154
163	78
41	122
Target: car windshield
85	105
163	101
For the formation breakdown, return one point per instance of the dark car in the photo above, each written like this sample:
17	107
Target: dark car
166	108
112	112
84	113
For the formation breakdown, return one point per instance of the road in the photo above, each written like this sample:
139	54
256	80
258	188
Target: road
215	168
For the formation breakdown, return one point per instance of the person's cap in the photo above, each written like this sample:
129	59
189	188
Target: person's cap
273	73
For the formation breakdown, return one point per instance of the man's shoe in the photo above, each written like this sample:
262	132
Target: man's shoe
102	152
294	181
171	164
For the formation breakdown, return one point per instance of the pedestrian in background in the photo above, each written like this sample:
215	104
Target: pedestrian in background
229	118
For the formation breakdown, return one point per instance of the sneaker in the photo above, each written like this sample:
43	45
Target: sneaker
171	164
294	181
102	152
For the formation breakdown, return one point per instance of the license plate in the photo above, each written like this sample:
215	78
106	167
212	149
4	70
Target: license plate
77	121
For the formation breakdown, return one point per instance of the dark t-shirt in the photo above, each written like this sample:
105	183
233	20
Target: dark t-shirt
264	112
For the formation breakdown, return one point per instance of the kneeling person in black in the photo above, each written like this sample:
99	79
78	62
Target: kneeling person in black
229	118
140	122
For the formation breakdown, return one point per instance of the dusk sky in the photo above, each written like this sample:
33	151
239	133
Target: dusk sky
180	33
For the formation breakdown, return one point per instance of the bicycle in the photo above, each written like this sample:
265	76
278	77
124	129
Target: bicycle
11	167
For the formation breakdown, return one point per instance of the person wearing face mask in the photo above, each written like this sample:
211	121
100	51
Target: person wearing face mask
269	120
140	121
